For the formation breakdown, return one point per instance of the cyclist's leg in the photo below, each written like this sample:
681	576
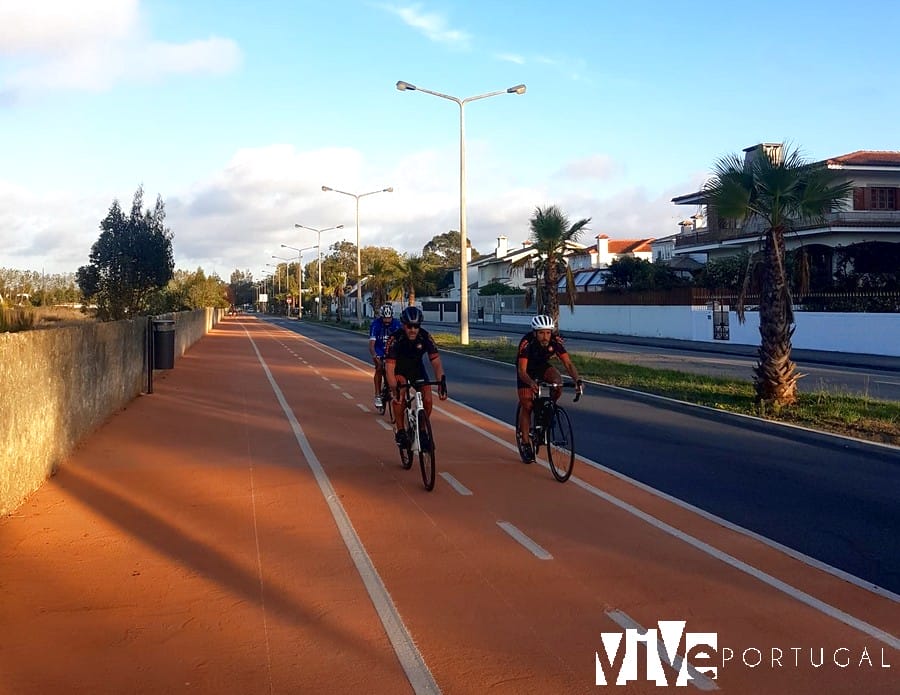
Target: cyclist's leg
427	399
378	376
397	405
525	401
552	376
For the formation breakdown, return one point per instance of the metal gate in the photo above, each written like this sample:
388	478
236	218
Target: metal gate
721	330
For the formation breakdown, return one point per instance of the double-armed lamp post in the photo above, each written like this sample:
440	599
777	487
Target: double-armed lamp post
286	283
299	276
319	254
463	241
358	257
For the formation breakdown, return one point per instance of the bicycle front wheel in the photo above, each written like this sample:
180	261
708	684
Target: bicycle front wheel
406	454
560	445
426	452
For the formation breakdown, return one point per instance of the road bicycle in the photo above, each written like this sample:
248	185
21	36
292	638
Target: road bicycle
416	423
550	427
385	397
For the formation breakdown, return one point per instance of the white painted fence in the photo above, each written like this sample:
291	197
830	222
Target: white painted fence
871	334
851	332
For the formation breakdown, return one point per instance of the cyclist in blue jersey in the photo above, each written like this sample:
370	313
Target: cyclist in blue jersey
403	362
379	331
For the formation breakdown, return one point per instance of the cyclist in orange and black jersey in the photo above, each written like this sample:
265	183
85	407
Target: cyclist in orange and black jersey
403	362
536	349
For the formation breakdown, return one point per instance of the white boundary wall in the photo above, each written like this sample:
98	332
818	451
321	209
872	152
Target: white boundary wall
869	334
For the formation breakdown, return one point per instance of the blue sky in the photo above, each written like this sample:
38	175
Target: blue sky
237	113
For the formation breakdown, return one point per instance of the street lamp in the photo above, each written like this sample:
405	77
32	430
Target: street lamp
358	261
319	254
287	285
299	276
463	242
277	276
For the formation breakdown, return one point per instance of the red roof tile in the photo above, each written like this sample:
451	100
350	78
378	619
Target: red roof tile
868	158
629	245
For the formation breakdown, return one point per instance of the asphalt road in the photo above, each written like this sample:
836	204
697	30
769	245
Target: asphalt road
830	498
880	379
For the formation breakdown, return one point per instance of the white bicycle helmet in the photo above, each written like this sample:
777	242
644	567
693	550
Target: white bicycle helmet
387	311
542	322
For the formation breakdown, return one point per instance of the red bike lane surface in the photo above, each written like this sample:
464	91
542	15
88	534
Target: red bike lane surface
188	541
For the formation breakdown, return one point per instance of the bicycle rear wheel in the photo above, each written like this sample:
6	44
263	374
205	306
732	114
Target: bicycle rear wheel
560	445
426	453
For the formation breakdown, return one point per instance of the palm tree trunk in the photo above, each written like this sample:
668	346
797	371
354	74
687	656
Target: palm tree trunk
775	373
551	299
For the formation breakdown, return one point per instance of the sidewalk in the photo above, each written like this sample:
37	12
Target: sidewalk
180	549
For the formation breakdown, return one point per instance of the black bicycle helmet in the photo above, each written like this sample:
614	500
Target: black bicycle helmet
387	311
412	316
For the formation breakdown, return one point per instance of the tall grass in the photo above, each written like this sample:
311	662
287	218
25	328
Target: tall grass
16	319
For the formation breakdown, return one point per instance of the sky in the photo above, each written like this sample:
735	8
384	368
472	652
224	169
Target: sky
237	113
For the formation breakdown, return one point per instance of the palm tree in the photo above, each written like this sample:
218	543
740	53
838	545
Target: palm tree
382	276
776	192
412	272
334	285
552	235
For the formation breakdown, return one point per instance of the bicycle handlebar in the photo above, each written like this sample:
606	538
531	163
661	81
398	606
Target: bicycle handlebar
564	385
418	383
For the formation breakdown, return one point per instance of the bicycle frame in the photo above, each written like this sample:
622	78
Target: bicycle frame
549	426
413	417
413	396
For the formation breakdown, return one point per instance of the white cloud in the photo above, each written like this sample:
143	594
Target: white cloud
511	58
94	45
599	166
430	24
238	216
59	26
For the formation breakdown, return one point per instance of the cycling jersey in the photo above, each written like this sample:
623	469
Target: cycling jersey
538	356
408	353
379	332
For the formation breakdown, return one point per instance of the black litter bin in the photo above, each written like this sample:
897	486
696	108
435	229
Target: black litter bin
163	344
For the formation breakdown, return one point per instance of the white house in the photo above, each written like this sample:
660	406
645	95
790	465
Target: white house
873	213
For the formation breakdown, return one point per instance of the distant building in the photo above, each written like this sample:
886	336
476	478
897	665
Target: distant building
871	215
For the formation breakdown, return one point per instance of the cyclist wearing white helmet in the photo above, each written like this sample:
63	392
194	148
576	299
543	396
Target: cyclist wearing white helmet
379	331
536	349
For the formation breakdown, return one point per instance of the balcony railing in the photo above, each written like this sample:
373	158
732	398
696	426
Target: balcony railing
845	218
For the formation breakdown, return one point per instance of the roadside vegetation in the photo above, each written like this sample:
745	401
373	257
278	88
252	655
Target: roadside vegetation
853	416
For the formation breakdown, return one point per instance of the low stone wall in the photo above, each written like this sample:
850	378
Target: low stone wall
57	385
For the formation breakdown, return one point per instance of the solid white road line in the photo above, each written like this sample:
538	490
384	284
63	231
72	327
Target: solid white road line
789	590
774	582
418	673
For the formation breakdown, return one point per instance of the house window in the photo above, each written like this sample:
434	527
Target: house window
882	198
